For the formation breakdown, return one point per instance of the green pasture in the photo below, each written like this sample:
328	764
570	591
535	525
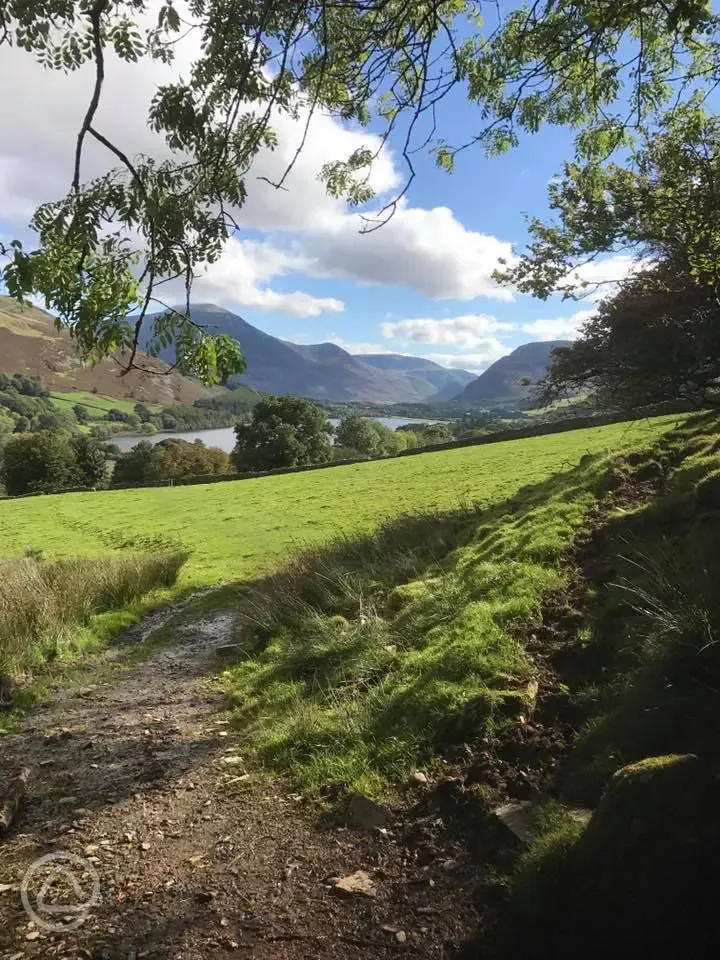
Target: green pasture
237	529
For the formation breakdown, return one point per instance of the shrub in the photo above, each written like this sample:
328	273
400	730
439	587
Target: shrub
42	602
38	463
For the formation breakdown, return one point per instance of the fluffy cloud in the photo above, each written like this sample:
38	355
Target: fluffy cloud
428	250
471	330
358	346
241	275
558	328
603	276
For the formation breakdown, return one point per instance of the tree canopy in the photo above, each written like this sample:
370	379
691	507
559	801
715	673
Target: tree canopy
283	432
100	255
657	335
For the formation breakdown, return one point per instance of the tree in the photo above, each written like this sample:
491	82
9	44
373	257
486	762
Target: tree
657	337
283	432
662	204
38	463
7	426
356	433
136	466
102	251
174	458
51	420
91	460
433	433
390	441
142	413
81	413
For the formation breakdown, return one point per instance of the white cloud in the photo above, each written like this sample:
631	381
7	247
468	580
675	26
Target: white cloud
558	328
241	274
471	330
358	346
428	250
474	362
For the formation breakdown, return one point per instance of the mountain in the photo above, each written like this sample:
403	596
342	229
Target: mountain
324	371
31	344
441	383
500	382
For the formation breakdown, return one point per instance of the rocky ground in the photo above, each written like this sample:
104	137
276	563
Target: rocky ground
136	772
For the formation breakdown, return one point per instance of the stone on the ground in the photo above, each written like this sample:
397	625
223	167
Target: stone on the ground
517	817
637	881
228	650
355	884
419	778
365	813
12	796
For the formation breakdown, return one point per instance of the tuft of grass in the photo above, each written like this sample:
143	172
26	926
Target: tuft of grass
42	604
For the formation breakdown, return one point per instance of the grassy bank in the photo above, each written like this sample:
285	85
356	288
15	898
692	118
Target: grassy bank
643	689
238	530
43	604
363	660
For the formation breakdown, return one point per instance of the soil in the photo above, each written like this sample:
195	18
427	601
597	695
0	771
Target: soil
137	772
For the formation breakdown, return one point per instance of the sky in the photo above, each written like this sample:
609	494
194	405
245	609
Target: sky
300	268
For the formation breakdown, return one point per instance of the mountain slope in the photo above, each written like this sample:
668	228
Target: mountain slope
31	344
500	382
442	383
324	371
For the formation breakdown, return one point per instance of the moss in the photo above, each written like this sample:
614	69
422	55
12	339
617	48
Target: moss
634	883
408	593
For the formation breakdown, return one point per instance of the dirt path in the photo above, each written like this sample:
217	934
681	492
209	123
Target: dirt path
137	773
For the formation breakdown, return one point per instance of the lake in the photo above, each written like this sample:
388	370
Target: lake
224	437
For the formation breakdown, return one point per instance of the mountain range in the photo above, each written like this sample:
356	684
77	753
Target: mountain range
324	371
31	344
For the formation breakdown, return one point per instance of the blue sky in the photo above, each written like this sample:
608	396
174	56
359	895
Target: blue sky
299	268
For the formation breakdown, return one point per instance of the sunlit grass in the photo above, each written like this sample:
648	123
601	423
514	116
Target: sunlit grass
238	529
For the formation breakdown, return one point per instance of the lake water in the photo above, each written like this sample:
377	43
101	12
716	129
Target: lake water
224	437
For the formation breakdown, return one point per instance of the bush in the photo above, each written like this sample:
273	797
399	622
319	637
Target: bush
41	602
38	463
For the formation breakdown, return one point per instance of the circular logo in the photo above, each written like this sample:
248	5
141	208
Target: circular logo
59	890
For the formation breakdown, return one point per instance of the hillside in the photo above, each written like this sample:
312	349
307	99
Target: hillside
30	344
500	383
325	371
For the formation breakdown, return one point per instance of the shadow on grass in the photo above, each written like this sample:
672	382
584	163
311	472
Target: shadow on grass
363	657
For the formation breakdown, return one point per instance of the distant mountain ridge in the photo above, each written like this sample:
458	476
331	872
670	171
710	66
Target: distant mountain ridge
324	371
500	383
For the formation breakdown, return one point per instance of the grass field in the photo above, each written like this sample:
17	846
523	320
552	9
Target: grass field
96	406
237	530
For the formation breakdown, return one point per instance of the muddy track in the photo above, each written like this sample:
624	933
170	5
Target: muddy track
137	773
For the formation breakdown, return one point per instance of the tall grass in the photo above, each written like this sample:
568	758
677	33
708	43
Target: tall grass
42	602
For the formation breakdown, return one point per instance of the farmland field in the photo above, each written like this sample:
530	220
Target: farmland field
238	529
97	406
